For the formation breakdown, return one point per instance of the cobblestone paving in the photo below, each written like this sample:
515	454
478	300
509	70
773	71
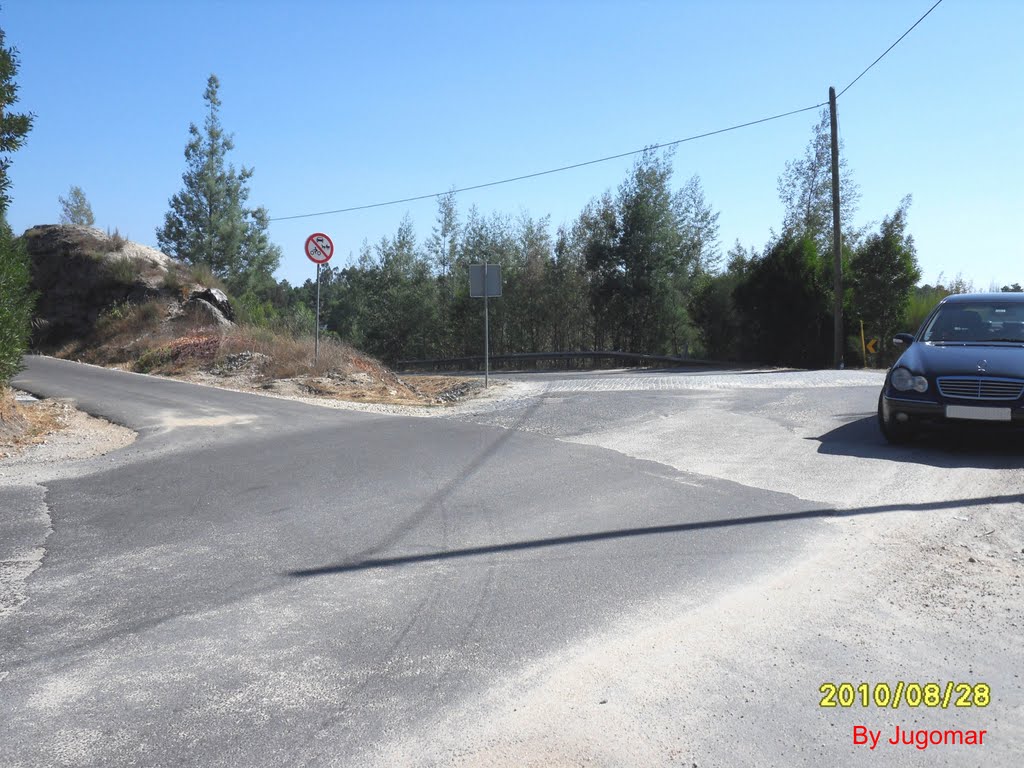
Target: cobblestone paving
513	390
729	380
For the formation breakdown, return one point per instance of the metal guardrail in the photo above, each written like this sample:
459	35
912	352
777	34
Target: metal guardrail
477	361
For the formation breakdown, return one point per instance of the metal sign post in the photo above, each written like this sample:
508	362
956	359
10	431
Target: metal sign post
316	335
319	249
487	336
485	281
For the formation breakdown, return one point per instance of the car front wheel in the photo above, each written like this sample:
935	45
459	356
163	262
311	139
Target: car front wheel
895	433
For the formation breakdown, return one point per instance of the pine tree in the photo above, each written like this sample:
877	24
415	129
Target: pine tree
75	208
208	222
16	304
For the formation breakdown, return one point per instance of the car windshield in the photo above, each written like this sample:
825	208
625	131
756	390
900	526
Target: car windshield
977	322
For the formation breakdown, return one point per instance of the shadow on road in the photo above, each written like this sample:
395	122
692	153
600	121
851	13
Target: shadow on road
945	448
436	500
627	533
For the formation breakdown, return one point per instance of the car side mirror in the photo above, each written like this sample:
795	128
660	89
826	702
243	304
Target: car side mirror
903	339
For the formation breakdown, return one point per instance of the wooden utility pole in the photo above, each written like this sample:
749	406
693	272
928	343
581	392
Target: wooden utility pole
837	244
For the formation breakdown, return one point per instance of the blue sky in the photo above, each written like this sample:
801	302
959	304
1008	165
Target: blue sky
338	104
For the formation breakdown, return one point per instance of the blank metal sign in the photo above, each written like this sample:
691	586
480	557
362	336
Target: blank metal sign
476	280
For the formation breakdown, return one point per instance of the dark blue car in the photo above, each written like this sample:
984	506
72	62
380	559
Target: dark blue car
965	366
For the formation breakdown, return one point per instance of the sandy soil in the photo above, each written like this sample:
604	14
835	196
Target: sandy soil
355	391
58	433
922	580
24	423
55	441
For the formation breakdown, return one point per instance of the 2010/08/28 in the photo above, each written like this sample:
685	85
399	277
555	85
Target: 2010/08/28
881	695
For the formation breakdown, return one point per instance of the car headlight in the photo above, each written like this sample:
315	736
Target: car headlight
904	380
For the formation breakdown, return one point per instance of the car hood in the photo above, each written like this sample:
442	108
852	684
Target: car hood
1002	361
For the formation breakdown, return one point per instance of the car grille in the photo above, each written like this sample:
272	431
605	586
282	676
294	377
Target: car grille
980	388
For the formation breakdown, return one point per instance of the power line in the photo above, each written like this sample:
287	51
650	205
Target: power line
563	168
858	77
554	170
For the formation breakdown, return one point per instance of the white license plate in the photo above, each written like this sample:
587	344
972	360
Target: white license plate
977	413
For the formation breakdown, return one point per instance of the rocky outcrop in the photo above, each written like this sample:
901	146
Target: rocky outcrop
78	272
199	313
81	272
216	299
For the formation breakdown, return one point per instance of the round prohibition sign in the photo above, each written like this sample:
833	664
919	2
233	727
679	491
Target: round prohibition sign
319	248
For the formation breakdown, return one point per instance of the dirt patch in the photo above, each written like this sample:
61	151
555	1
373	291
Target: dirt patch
127	306
378	387
60	444
427	390
145	339
25	424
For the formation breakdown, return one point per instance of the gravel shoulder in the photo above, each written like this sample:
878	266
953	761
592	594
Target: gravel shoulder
65	445
918	579
56	441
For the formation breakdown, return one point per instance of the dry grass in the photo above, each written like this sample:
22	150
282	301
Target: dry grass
203	275
260	359
141	337
12	420
392	390
130	320
124	270
273	355
122	333
25	425
173	280
179	279
180	355
291	356
117	240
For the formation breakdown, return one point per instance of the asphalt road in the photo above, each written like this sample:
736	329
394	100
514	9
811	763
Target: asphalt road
262	582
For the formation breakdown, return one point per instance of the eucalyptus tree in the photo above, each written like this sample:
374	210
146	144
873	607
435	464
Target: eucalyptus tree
805	189
784	297
643	248
884	271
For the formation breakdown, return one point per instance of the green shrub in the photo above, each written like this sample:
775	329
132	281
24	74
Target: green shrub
203	275
299	320
123	269
251	310
117	240
127	318
152	359
172	280
922	301
16	303
113	314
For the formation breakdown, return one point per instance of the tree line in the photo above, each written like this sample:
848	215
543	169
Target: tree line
640	269
617	278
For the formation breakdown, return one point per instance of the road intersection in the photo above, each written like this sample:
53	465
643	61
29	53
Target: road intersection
262	582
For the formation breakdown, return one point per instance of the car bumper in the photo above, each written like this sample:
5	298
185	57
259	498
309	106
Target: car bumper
905	409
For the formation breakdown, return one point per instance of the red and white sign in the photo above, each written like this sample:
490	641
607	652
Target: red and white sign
319	248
